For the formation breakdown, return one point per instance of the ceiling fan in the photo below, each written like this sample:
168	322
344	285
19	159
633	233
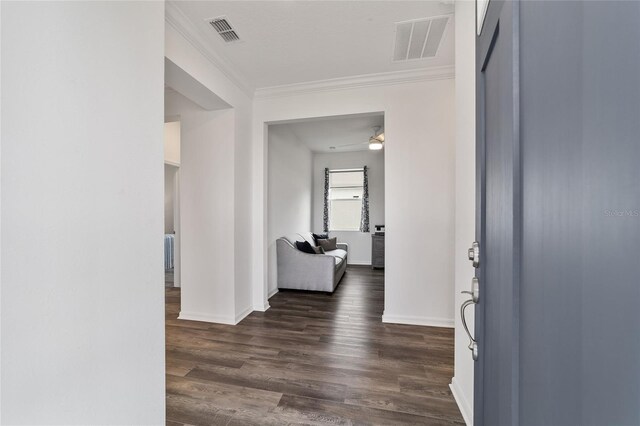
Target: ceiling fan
375	142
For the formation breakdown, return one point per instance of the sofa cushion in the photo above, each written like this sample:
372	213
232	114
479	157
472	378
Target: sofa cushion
305	247
308	237
339	253
317	237
329	244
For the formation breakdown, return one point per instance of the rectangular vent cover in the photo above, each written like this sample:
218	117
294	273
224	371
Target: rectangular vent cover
419	39
224	28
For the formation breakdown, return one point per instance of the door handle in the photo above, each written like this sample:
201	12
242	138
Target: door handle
475	290
473	345
475	298
474	254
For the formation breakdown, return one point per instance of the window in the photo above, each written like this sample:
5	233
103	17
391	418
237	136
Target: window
345	199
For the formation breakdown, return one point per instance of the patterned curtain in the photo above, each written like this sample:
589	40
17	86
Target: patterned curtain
325	215
364	216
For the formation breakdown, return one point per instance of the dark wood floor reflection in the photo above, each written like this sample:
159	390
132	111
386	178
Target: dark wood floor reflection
312	358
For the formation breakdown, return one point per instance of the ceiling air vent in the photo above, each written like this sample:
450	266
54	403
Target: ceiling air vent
419	39
224	28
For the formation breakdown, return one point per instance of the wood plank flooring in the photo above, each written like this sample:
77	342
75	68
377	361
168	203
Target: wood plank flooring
312	358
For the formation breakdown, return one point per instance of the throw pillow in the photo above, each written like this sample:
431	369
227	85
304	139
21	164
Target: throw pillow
318	250
317	237
328	244
305	247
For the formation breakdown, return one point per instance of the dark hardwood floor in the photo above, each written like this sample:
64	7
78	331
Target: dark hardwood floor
312	358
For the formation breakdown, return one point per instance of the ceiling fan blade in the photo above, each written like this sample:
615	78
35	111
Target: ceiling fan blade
347	145
379	137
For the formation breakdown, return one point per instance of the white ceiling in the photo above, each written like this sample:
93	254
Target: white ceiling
321	134
286	42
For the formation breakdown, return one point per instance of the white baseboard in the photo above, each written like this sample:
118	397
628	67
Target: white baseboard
196	316
242	315
358	263
272	292
218	319
262	308
412	320
463	403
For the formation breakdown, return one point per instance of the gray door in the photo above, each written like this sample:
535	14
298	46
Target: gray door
497	166
558	323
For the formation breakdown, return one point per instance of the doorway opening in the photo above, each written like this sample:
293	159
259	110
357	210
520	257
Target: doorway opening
171	203
325	190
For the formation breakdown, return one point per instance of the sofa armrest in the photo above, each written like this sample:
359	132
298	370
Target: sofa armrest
343	246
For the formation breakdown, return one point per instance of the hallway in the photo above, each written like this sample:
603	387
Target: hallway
312	358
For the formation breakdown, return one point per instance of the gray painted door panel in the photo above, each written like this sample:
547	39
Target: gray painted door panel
580	136
559	214
495	379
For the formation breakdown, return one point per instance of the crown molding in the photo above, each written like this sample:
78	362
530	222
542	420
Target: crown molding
366	80
183	25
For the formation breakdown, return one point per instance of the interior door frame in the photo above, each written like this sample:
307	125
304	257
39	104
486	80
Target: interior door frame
485	41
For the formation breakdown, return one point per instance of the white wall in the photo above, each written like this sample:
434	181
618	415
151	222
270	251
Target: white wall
206	209
419	187
0	215
172	143
462	383
169	197
289	207
82	308
359	243
231	218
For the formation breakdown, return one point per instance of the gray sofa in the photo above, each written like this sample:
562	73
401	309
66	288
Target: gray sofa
303	271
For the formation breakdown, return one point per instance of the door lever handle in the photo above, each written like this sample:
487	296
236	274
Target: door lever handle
473	345
475	290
